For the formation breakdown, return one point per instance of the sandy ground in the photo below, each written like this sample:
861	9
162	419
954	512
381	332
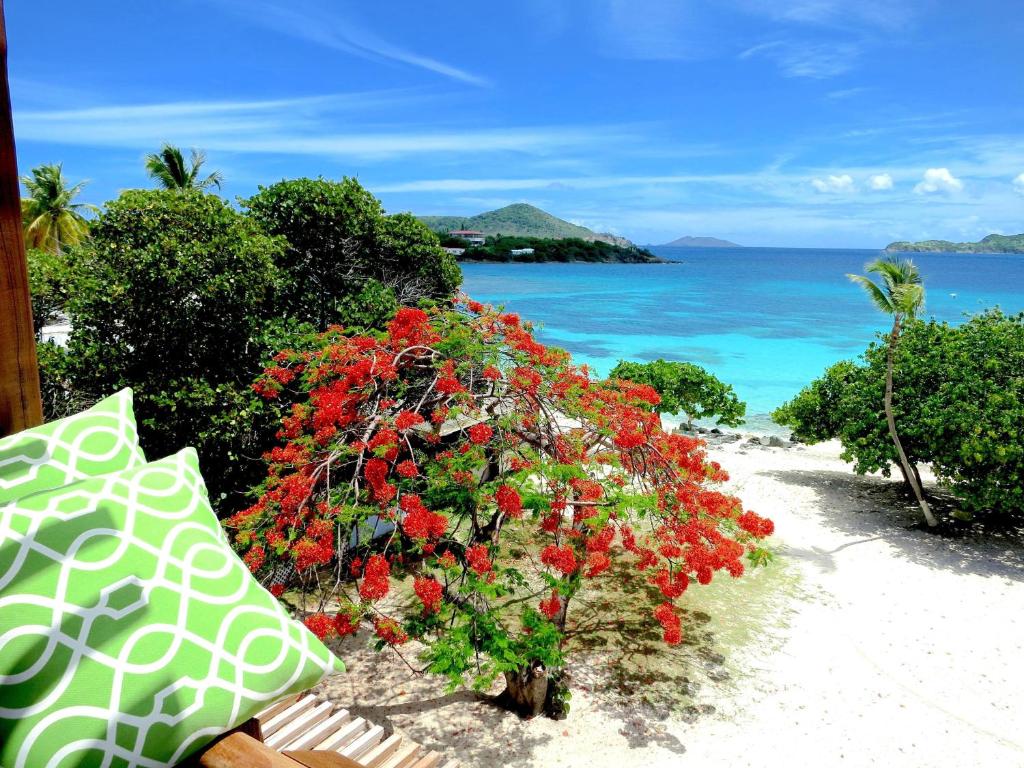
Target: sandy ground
867	642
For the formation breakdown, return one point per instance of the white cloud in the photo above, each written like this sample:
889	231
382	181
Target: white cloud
839	184
880	181
1018	183
306	21
938	180
292	127
817	61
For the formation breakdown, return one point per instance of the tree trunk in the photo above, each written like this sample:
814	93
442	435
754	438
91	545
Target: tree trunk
527	689
909	471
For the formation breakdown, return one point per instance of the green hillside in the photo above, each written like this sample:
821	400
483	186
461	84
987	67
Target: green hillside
990	244
521	220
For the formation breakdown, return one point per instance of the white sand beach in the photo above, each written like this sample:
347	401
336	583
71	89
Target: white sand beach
866	642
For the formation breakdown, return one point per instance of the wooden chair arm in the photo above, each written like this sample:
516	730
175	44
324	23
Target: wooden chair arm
239	750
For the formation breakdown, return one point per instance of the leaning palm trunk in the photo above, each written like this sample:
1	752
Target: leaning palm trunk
909	471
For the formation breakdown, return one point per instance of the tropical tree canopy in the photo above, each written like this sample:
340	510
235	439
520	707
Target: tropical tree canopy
51	218
169	168
685	389
900	293
505	480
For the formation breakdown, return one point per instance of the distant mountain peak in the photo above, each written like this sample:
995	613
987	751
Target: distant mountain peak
689	241
520	220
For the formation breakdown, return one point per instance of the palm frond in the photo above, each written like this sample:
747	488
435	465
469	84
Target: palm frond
877	295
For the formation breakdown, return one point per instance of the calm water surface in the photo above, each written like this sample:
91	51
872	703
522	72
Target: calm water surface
766	320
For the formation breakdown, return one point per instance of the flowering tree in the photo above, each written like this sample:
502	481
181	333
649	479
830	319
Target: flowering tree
473	443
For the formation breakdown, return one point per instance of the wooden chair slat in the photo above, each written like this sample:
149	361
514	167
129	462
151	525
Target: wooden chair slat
302	724
276	723
362	744
276	708
430	760
403	755
320	732
343	735
378	754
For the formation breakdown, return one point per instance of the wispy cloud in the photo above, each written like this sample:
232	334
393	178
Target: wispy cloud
303	126
323	24
1018	183
797	58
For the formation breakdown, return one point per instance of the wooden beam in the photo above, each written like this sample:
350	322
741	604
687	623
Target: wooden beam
20	403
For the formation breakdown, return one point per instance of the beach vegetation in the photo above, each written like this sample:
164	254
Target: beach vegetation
52	220
900	294
686	389
170	170
531	250
452	481
958	402
345	261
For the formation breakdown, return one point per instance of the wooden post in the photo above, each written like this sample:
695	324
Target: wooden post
20	403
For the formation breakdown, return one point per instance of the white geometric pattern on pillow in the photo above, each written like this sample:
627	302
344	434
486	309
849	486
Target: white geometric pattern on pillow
97	441
131	634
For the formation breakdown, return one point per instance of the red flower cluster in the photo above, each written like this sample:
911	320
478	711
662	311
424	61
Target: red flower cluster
560	558
756	525
419	523
376	578
406	420
552	606
479	559
429	591
480	434
321	625
509	502
390	631
669	620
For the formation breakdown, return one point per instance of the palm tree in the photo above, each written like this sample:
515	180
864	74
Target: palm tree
168	167
50	217
900	295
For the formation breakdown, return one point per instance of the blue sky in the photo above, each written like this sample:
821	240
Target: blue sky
769	122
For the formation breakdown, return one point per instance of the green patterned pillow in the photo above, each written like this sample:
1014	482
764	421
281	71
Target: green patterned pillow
131	634
94	442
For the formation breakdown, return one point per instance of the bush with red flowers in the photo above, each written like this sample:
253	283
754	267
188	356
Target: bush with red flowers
457	428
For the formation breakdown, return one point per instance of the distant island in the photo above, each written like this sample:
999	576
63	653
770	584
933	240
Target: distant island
532	250
990	244
701	242
520	220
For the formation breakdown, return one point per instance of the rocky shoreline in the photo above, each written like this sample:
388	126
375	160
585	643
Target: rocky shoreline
715	437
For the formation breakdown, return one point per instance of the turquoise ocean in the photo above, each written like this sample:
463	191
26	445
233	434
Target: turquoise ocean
765	320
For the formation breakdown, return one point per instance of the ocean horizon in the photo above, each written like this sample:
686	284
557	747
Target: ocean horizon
768	321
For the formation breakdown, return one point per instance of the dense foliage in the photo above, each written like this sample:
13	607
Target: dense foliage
169	298
471	442
686	389
564	250
342	251
958	401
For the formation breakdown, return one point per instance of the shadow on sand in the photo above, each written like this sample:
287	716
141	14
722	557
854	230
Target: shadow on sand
873	508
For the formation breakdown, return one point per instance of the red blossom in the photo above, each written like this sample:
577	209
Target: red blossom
321	625
407	420
480	433
509	502
479	559
560	558
429	591
407	468
376	578
390	631
552	606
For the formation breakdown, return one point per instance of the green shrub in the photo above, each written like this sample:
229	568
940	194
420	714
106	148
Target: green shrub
340	243
170	299
958	402
686	389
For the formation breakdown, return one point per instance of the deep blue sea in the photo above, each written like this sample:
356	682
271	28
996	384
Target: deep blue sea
766	320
